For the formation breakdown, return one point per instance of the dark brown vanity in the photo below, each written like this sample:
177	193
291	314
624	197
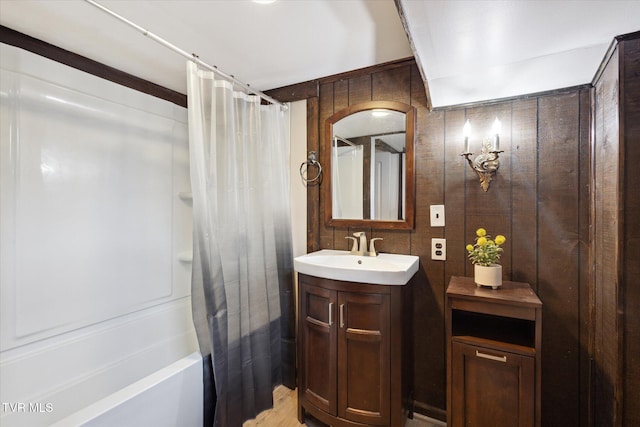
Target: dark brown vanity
355	356
354	348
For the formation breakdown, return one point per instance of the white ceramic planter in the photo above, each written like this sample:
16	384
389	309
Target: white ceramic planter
488	276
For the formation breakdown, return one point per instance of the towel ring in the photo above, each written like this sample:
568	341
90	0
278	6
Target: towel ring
312	161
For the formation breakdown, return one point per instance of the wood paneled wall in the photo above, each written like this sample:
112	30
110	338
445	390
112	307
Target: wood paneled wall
630	93
616	243
606	166
539	201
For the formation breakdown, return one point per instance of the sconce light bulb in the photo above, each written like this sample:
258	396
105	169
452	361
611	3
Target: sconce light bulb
497	127
466	130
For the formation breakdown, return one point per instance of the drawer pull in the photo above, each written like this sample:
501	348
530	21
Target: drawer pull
330	313
491	357
342	315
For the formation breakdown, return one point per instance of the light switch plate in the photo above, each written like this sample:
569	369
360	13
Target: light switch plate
437	215
439	249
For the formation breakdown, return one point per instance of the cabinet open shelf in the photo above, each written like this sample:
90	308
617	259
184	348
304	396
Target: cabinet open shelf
495	328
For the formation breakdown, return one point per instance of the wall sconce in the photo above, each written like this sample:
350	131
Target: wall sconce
486	164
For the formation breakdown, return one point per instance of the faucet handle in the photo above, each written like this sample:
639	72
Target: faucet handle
372	248
354	247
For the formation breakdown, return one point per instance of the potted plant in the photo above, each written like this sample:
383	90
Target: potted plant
485	257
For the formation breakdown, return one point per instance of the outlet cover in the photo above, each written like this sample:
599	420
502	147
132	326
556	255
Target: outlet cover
439	249
437	215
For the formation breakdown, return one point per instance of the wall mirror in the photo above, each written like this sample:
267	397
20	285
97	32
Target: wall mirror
369	166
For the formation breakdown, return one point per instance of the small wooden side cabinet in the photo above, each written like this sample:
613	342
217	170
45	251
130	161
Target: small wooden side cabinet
493	355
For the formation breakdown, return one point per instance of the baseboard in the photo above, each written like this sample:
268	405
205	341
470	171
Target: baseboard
432	414
430	421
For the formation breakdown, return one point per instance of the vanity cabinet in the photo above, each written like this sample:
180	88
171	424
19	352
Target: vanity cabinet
350	352
493	364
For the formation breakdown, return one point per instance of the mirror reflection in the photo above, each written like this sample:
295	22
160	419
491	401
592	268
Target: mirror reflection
368	163
369	174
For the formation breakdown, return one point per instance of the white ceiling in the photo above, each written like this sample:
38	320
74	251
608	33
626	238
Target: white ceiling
266	46
479	50
468	50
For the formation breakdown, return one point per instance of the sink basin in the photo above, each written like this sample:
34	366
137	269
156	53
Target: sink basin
384	269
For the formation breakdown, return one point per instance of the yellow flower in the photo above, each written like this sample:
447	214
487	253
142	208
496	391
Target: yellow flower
486	250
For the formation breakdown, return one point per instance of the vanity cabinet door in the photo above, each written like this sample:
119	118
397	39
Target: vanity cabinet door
364	358
350	353
319	347
492	388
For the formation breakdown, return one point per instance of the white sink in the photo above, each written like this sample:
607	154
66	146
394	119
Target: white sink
384	269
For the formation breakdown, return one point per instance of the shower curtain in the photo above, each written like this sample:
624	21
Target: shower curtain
242	261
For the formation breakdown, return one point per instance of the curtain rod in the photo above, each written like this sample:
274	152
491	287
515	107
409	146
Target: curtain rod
192	57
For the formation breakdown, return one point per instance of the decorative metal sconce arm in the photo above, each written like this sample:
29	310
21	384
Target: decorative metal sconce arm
485	165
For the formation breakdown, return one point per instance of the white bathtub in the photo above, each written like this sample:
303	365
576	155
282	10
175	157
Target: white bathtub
169	397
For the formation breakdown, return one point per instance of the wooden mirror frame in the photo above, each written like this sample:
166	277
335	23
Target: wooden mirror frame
409	217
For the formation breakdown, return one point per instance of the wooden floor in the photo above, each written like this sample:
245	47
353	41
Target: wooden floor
285	413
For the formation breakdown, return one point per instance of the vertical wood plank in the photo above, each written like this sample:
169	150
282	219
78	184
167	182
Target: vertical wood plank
429	291
631	249
429	288
584	304
524	150
392	85
359	89
558	242
456	175
326	110
314	213
605	247
340	95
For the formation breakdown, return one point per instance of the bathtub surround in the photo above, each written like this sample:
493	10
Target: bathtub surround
173	395
242	269
95	292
